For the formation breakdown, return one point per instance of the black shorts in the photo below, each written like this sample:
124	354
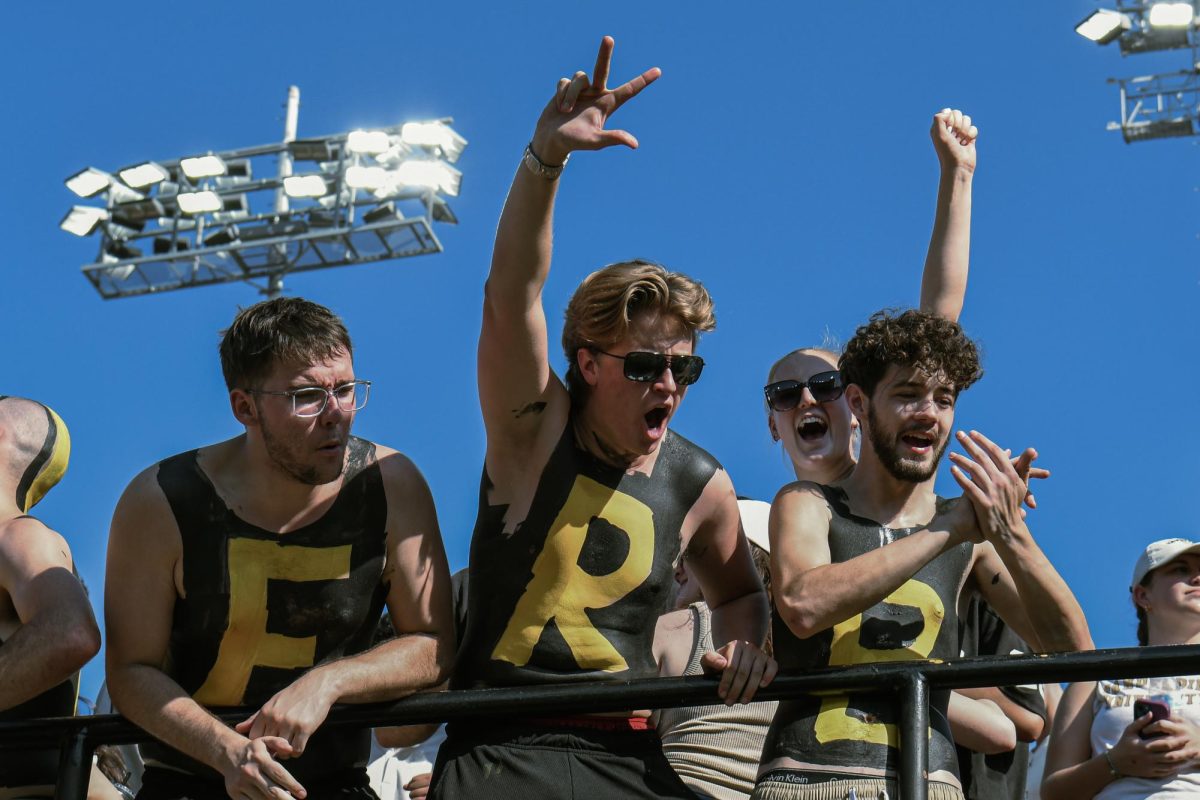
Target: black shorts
525	762
169	784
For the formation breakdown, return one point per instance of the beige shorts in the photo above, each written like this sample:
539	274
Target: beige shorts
862	788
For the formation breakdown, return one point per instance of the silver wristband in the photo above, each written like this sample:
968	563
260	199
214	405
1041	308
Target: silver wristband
541	168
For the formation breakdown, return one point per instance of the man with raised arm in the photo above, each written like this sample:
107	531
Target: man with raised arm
872	570
587	497
254	571
47	630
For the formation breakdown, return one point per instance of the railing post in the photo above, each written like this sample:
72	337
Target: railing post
914	736
74	766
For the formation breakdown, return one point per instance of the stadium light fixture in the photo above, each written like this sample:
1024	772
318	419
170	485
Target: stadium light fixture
1170	15
143	175
1103	26
202	167
305	186
89	182
368	142
227	216
430	174
198	202
83	220
434	134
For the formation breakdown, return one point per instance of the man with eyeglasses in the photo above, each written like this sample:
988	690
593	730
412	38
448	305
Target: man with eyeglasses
587	498
254	571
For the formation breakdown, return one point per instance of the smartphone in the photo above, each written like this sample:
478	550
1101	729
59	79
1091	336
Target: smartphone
1158	706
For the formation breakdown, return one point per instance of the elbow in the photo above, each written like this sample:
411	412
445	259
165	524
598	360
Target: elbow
800	617
79	646
1002	740
1030	730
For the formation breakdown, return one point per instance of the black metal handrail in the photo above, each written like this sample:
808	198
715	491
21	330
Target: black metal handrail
910	680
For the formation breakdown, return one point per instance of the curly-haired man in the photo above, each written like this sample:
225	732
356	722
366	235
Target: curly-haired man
872	570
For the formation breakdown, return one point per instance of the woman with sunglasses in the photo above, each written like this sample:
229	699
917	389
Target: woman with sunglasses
805	409
1119	740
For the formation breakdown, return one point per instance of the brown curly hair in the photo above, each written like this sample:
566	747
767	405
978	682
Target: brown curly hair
912	338
604	305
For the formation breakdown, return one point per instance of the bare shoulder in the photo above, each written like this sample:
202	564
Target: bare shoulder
400	474
143	518
802	493
673	635
27	543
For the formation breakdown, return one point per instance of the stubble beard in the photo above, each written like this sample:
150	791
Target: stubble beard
283	458
898	468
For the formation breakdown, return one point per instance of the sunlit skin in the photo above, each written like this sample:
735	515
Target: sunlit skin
909	418
826	458
623	421
1172	601
310	450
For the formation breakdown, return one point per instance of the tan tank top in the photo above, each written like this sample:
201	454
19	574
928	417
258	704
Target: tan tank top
714	749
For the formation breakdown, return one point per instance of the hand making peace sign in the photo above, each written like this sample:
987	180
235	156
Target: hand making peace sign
574	118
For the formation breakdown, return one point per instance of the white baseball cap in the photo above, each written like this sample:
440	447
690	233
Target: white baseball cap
1158	553
755	514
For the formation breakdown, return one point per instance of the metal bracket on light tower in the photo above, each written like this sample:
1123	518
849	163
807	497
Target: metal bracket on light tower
257	214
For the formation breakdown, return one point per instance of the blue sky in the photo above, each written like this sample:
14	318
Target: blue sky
785	162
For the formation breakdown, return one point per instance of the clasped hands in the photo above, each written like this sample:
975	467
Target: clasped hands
995	487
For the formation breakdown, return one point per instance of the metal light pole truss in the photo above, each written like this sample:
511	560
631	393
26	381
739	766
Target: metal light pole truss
259	213
1158	106
1152	106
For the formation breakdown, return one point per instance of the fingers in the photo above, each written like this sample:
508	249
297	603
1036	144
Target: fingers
628	90
970	491
283	780
246	724
603	62
609	138
956	124
560	92
571	94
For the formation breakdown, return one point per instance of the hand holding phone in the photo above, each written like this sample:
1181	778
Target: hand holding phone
1158	706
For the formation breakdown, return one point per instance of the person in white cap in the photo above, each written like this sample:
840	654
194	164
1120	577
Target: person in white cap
714	749
1119	740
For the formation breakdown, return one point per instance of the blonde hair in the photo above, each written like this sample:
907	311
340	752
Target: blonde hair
601	310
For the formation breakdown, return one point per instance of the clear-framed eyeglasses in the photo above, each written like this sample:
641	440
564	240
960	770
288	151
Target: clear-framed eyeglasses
311	400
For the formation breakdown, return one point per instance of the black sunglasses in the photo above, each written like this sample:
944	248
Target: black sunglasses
644	367
786	395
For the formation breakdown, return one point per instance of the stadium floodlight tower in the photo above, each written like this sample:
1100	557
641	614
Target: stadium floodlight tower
1152	106
259	213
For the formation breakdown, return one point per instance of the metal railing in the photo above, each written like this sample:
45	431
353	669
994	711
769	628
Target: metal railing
911	681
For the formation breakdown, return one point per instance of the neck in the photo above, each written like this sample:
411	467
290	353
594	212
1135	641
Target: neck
1161	636
8	506
592	438
273	495
832	474
876	494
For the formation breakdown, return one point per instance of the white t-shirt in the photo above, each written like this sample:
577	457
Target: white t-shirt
390	768
1112	708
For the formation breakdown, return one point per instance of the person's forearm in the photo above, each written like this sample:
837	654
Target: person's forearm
1078	780
745	618
153	701
826	595
43	653
394	669
980	725
524	240
944	281
1056	619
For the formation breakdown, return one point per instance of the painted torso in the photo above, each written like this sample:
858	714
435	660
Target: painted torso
917	621
261	608
574	591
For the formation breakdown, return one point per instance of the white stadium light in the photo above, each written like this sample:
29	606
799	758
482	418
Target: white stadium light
1170	15
1103	26
431	174
143	175
199	202
82	220
366	177
202	167
305	186
89	182
434	134
367	142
